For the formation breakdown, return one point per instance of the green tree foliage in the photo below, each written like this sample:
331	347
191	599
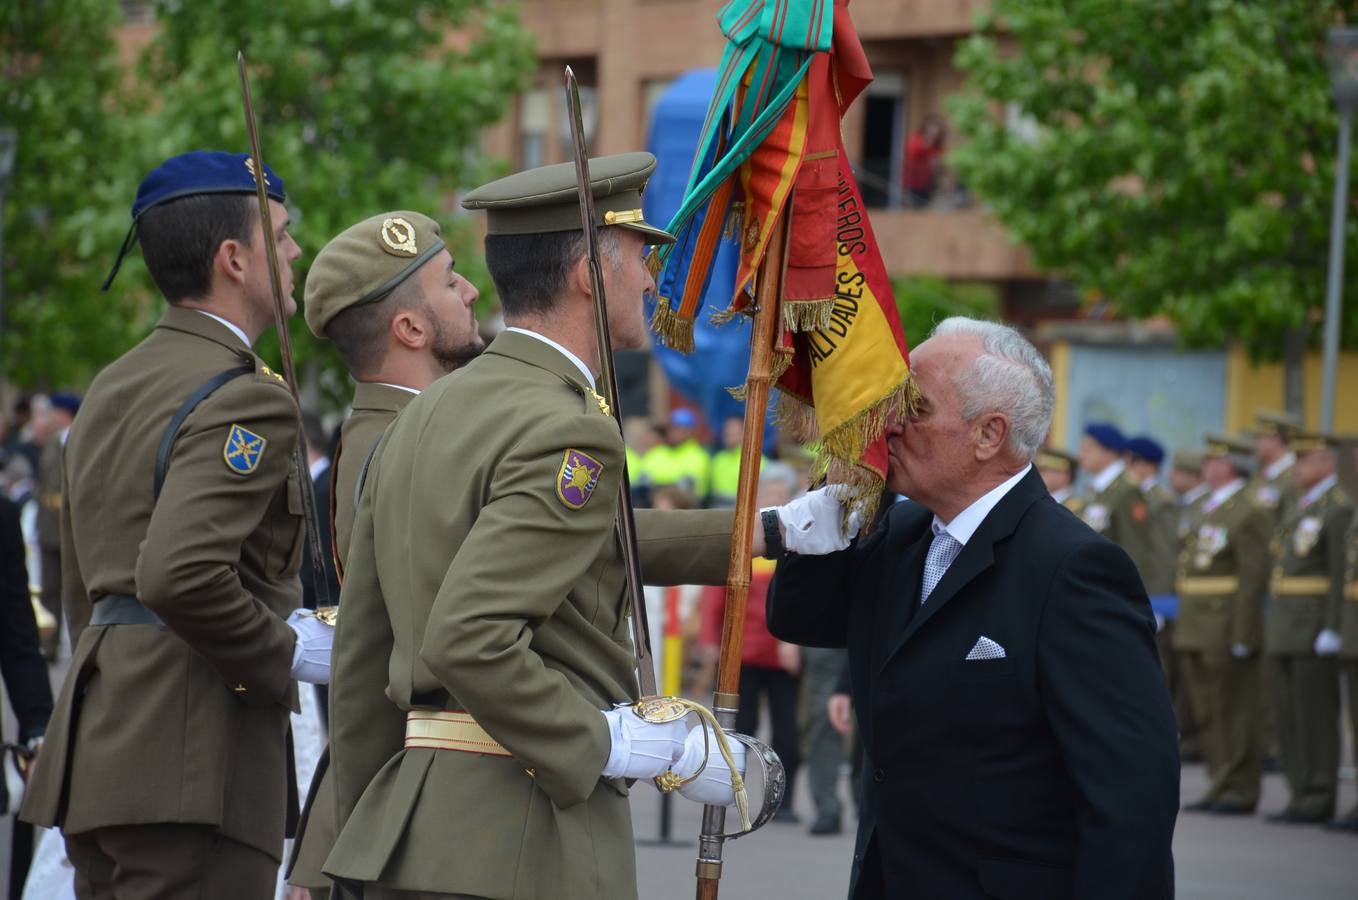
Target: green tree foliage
362	105
1177	155
925	300
66	205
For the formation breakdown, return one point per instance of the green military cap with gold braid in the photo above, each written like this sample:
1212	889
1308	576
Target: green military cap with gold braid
1307	441
1219	445
1052	458
1280	423
545	199
1188	461
366	262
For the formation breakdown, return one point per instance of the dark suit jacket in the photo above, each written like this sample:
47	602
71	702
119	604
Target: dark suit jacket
1050	773
320	487
21	663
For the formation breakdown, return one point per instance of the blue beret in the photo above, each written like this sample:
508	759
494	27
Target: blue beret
203	172
683	418
66	401
1147	448
192	173
1107	435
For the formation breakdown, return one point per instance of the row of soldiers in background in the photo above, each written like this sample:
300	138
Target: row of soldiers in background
30	476
1250	560
660	457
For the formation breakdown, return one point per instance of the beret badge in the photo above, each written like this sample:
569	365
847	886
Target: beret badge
398	237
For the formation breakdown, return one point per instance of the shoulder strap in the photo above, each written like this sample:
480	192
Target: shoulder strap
172	430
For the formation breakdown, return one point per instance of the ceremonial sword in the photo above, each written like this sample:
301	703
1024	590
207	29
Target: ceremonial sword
325	605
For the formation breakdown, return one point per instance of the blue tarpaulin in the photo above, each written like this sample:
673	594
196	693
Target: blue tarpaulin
722	353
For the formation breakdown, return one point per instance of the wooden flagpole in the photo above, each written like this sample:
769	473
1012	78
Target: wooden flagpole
726	699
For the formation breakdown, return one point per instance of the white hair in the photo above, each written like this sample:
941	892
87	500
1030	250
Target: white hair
1008	376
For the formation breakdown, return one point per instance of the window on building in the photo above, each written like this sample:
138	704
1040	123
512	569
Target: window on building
535	123
883	140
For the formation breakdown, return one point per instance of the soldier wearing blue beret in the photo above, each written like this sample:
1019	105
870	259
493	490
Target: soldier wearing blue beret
166	765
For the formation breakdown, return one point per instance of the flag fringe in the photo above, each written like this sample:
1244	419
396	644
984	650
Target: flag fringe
782	361
807	315
672	329
734	226
654	264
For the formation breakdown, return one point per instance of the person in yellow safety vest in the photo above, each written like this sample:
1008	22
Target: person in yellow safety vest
639	437
681	460
726	462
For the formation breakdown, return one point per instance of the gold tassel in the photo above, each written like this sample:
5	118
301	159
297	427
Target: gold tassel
807	315
672	329
654	264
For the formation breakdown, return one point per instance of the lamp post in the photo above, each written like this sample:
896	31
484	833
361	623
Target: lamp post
9	142
1343	62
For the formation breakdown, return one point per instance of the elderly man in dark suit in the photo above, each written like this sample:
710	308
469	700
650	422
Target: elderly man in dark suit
1018	732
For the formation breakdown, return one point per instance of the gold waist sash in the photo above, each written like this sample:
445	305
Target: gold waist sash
1299	585
1208	586
437	729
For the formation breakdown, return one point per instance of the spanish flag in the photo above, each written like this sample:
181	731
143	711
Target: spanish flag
842	363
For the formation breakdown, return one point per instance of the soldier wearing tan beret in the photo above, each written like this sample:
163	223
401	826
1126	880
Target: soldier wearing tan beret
387	293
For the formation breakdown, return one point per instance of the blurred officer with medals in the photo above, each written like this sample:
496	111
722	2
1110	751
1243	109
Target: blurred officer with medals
1302	635
1348	651
1222	577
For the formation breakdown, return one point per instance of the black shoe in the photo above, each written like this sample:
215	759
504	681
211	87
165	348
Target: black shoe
1231	809
1288	817
1348	823
825	825
785	816
1199	806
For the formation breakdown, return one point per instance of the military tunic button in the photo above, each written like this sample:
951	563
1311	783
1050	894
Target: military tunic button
239	689
879	775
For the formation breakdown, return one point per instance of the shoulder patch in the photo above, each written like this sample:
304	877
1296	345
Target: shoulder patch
243	450
577	478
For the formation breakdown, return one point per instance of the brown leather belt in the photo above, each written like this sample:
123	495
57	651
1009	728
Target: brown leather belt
438	729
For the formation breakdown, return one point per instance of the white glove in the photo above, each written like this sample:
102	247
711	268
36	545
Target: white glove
311	655
641	749
813	524
1240	651
714	784
1328	642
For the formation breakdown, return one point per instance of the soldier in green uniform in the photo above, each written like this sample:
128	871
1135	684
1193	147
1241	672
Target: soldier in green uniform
1058	469
1348	650
1302	634
1222	577
1114	504
50	433
484	640
166	763
1273	489
387	294
1190	491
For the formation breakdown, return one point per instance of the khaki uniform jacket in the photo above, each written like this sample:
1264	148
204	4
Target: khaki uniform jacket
1222	577
1308	574
1121	513
1277	494
184	723
374	406
476	582
1157	545
1348	617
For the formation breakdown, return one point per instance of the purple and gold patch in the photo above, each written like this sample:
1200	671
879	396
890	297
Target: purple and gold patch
577	479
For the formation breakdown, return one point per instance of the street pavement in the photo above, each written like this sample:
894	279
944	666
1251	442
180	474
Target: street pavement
1215	857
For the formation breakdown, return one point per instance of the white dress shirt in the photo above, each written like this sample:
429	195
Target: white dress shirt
235	329
579	363
965	523
399	387
1222	494
1314	493
1101	481
1279	466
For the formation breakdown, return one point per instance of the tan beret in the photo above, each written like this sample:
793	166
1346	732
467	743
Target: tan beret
366	262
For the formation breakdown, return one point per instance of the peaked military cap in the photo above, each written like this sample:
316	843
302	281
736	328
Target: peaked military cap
1053	458
1282	424
366	262
544	199
1188	461
1306	441
1238	450
190	174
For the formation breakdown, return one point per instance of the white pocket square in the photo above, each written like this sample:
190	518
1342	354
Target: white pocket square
986	649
